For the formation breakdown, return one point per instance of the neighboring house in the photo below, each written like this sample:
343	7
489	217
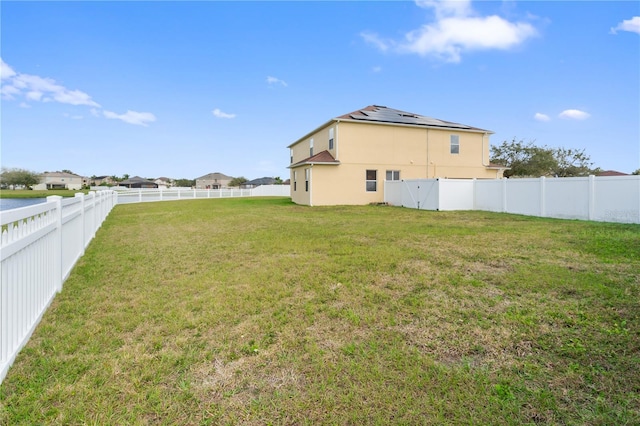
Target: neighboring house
99	180
257	182
164	182
213	181
61	180
138	182
347	159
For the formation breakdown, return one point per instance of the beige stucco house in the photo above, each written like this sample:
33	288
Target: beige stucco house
215	180
61	180
347	159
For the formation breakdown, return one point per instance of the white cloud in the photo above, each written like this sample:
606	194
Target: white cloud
274	80
39	89
218	113
376	69
444	8
9	91
374	39
632	25
574	114
541	117
456	29
5	70
132	117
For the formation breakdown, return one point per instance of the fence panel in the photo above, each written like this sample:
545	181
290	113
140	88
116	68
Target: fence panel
523	196
39	246
617	199
27	274
567	198
456	194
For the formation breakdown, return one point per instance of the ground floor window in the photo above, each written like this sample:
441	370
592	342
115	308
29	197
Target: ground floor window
295	180
306	179
372	180
393	174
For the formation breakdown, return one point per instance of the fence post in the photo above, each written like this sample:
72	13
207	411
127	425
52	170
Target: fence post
82	220
592	196
504	195
57	255
140	195
161	191
543	196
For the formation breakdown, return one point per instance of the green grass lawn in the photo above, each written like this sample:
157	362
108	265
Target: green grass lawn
27	193
258	311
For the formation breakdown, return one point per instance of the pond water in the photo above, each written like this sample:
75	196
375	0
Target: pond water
14	203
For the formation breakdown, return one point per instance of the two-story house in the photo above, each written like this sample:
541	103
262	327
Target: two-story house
347	159
215	180
61	180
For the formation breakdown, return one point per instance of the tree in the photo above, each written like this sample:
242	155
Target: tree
185	183
277	180
572	162
68	171
14	177
528	159
237	181
637	172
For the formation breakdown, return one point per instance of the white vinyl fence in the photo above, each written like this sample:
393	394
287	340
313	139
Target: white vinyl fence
160	194
39	245
602	198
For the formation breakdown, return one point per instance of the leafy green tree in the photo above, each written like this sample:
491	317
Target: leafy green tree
527	159
13	177
278	181
237	181
185	183
572	162
637	172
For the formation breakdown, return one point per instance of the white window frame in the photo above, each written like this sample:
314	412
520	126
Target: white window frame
371	185
295	180
331	143
393	175
454	146
307	173
311	147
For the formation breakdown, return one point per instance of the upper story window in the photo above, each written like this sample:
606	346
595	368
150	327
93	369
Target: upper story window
455	144
311	147
393	174
372	180
291	154
331	138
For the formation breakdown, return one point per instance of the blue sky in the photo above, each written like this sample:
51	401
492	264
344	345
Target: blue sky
182	89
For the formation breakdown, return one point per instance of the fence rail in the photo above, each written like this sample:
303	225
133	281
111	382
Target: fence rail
602	198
